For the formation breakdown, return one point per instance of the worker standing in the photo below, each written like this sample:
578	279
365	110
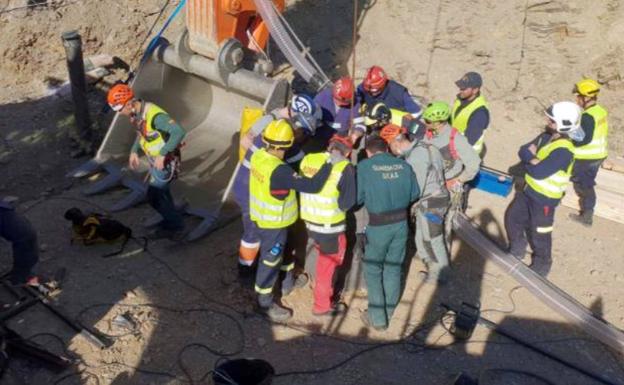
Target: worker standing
430	210
548	161
591	151
470	114
303	114
16	229
461	162
386	186
341	111
377	87
159	137
324	214
273	207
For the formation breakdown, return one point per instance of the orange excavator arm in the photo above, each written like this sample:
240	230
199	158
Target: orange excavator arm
210	22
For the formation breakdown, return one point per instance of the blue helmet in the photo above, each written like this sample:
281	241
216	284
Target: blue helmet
304	110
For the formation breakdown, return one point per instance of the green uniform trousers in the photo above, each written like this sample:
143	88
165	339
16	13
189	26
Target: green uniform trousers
383	264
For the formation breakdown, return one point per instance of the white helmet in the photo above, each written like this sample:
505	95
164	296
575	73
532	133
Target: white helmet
566	115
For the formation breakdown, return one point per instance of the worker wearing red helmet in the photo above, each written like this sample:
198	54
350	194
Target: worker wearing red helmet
377	87
341	111
159	138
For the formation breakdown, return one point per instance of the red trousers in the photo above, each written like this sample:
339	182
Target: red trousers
325	267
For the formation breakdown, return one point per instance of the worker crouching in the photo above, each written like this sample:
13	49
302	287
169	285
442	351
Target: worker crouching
325	216
273	207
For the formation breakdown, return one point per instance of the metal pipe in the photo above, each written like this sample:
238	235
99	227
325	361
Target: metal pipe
75	66
545	291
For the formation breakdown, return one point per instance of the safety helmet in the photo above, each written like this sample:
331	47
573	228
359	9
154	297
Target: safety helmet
343	90
343	140
302	104
437	112
587	87
119	95
390	132
566	115
278	134
378	115
375	79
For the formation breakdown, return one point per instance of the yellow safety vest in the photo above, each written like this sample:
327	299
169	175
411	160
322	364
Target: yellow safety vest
397	116
150	139
598	147
264	209
555	185
322	208
460	120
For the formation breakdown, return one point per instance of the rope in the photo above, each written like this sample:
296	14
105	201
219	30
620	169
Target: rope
353	43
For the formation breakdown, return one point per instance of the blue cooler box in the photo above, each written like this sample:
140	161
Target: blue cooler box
493	182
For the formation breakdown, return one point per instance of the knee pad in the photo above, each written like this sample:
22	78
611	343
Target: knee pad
247	253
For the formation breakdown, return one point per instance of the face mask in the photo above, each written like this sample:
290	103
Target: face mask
577	135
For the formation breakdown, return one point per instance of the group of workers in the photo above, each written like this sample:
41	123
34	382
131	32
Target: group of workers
372	151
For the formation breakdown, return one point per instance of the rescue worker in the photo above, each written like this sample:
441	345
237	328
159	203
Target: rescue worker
16	229
273	207
461	162
548	161
341	111
377	87
386	186
159	137
591	151
470	114
429	211
324	214
303	114
379	116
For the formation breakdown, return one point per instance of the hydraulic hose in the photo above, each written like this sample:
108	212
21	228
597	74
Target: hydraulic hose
279	33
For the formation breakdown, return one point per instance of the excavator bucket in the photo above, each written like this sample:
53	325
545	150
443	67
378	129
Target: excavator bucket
207	102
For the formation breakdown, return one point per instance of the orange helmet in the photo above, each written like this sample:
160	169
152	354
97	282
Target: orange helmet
390	132
343	140
119	95
343	91
375	80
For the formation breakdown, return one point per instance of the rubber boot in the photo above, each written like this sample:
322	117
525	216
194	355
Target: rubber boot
586	218
276	313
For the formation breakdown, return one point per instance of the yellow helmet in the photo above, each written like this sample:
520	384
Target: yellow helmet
278	134
587	87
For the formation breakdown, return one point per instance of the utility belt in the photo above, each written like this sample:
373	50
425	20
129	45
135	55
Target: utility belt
335	228
387	218
172	163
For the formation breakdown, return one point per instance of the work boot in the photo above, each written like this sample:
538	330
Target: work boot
276	313
337	309
301	280
367	322
586	218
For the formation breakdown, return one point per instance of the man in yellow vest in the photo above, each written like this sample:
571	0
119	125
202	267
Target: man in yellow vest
470	114
159	137
324	214
591	151
273	207
548	161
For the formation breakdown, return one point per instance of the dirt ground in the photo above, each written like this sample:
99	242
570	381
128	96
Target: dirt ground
189	308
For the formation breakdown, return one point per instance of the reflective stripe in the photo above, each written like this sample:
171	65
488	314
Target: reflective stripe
296	157
335	125
320	212
544	230
459	120
264	205
288	267
246	163
153	146
250	245
271	218
554	185
272	264
358	120
317	198
254	148
260	290
598	147
326	229
245	262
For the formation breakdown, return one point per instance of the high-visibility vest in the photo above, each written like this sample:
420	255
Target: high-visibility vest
597	148
555	185
267	211
322	208
460	119
397	116
150	139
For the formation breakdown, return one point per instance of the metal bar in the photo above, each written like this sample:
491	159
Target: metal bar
18	345
545	291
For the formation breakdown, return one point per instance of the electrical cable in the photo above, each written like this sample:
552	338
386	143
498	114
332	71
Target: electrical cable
149	33
520	372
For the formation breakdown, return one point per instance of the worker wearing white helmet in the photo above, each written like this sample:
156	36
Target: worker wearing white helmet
548	161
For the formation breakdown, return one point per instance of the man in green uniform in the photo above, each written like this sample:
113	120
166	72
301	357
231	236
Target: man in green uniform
386	187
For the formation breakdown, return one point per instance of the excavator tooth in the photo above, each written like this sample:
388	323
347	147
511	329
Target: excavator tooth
138	194
112	179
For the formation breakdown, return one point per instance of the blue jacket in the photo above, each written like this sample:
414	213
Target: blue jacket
335	118
394	96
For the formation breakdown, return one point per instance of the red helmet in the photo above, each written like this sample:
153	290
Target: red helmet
343	91
119	95
375	79
343	140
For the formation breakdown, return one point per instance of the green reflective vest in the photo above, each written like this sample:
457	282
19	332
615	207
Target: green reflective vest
322	208
150	140
460	120
397	116
555	185
267	211
598	147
